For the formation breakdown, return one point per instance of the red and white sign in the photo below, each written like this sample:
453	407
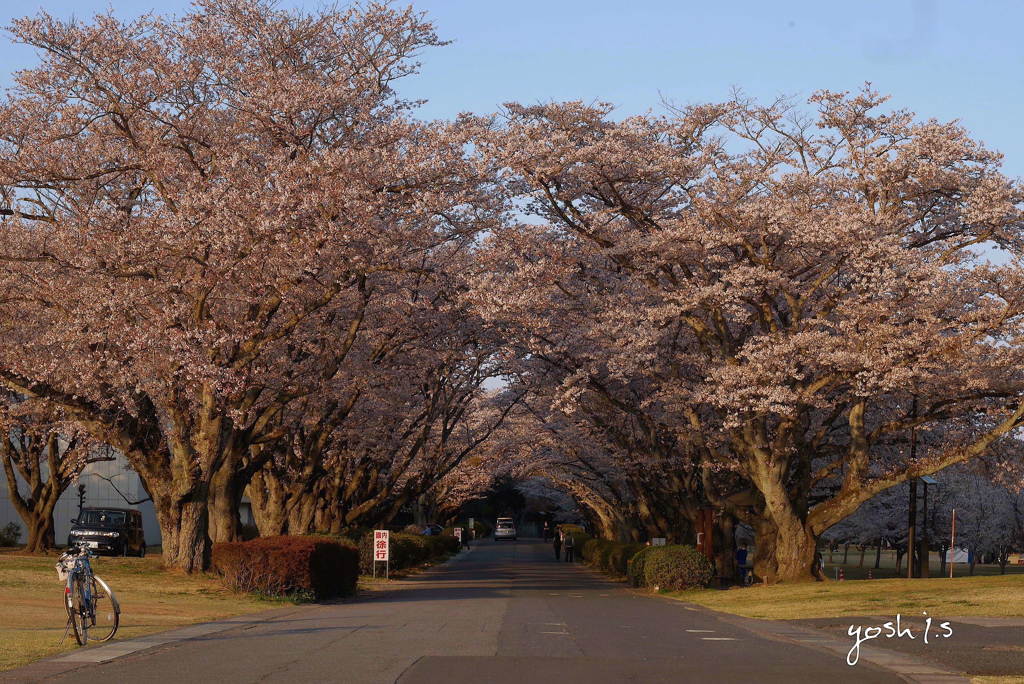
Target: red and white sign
381	539
458	533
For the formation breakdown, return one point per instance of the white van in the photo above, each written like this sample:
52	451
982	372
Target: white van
505	528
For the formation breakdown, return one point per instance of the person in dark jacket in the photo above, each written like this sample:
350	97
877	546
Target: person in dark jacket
558	545
570	548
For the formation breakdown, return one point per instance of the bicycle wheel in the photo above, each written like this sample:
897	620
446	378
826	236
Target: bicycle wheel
105	613
78	610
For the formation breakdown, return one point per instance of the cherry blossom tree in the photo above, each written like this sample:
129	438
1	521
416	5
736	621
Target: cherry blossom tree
802	293
42	455
198	212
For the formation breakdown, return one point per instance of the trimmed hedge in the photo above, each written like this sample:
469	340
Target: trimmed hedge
674	568
610	556
407	550
635	565
311	566
665	567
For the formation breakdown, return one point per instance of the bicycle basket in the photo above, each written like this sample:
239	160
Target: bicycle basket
62	569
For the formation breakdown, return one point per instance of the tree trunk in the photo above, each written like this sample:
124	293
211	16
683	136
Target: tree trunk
183	530
786	545
784	555
35	509
269	509
40	529
878	555
225	499
724	541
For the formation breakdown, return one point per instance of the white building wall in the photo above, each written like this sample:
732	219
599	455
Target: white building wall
98	493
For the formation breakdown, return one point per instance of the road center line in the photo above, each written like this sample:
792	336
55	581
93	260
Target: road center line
717	639
701	631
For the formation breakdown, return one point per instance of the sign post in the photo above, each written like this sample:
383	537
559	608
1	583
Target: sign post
381	550
458	535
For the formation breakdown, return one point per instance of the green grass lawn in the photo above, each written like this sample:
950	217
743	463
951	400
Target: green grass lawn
153	599
988	595
854	570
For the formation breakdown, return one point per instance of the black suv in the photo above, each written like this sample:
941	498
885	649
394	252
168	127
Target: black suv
117	531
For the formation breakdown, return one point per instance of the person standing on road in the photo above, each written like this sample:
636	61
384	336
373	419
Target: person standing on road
570	548
558	545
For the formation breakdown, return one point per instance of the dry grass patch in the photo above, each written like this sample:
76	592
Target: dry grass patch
153	599
994	596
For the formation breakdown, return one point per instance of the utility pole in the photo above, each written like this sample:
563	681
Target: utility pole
912	515
911	527
952	547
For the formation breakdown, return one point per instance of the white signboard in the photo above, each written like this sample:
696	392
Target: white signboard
658	541
381	545
959	556
458	533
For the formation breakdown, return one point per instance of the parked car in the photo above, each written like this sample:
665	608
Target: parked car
432	530
115	531
504	528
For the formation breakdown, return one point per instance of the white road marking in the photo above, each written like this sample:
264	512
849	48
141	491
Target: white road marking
554	632
717	639
701	631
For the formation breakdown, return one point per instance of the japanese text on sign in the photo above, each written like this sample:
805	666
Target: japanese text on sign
380	545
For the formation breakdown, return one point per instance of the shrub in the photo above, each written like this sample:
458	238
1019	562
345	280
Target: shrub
10	534
590	549
441	545
676	567
407	550
618	558
317	567
609	556
635	565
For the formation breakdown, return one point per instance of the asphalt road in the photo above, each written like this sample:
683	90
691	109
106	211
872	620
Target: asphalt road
502	612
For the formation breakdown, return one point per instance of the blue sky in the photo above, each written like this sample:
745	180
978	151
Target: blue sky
940	58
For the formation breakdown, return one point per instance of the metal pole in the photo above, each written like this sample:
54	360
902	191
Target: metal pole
911	528
952	541
912	514
925	569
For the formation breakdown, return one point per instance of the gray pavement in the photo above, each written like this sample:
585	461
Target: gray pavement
992	647
502	612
